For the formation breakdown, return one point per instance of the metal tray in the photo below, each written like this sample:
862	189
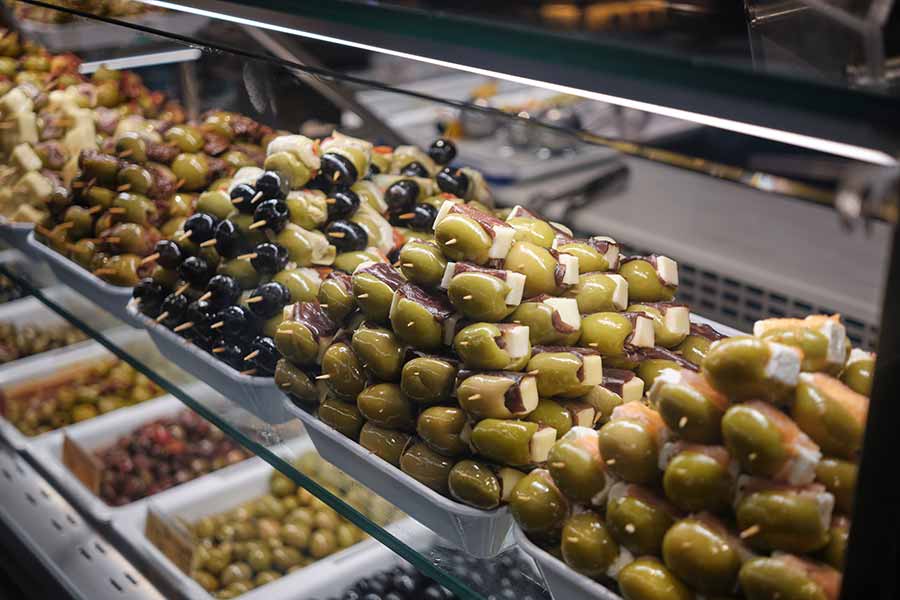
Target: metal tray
258	395
562	581
15	235
482	533
111	298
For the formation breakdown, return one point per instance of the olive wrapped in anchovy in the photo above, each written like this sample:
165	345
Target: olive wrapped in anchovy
494	347
638	519
696	477
387	444
589	548
788	577
618	387
791	519
652	278
859	371
617	334
512	442
345	159
427	467
691	408
830	413
304	333
595	254
467	234
374	285
420	319
647	578
823	340
567	372
578	468
835	552
745	367
631	440
839	478
538	506
550	321
483	294
695	346
497	394
428	379
650	363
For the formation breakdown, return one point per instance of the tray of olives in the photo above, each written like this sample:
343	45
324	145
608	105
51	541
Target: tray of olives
112	298
479	532
254	532
144	451
15	234
258	395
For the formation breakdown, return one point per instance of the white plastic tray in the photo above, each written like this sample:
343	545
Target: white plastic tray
104	431
134	341
258	395
482	533
222	491
15	234
111	298
562	581
31	311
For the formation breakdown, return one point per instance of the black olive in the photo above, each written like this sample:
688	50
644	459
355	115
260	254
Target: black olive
273	185
224	290
423	217
415	169
321	183
274	213
150	294
453	181
237	322
374	170
174	306
201	226
401	195
338	169
442	151
245	193
266	357
270	258
206	340
268	299
170	254
346	236
200	313
232	354
195	271
229	239
342	204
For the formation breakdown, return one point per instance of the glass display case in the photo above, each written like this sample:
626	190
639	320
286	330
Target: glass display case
409	300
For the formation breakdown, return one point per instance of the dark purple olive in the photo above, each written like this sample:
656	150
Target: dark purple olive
268	299
342	204
266	357
453	181
244	192
200	314
232	354
170	254
401	195
174	307
196	271
201	226
273	185
273	212
237	322
415	169
224	290
442	151
423	217
270	258
229	239
346	236
339	170
150	294
322	183
373	170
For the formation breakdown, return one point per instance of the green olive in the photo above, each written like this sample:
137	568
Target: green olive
479	347
348	261
415	325
373	295
297	343
242	270
220	124
124	270
538	506
550	413
479	296
754	439
206	580
427	380
690	407
638	520
786	520
813	344
858	376
336	297
475	483
461	238
779	578
307	208
385	405
182	205
606	332
186	137
576	465
386	444
839	478
831	414
132	144
630	451
644	284
597	292
108	95
694	348
532	230
507	442
497	396
559	374
380	352
341	416
538	266
664	336
193	169
427	467
82	222
422	263
702	556
346	377
289	166
137	208
737	367
648	579
165	277
303	284
235	159
102	168
238	571
544	325
216	203
587	545
137	178
441	428
694	482
835	552
285	557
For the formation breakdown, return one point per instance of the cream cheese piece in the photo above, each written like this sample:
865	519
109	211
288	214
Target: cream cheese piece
25	158
570	264
592	366
515	340
784	364
667	269
643	336
620	294
568	311
678	320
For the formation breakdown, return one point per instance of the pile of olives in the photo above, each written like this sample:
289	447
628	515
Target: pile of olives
18	342
77	395
276	534
9	290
